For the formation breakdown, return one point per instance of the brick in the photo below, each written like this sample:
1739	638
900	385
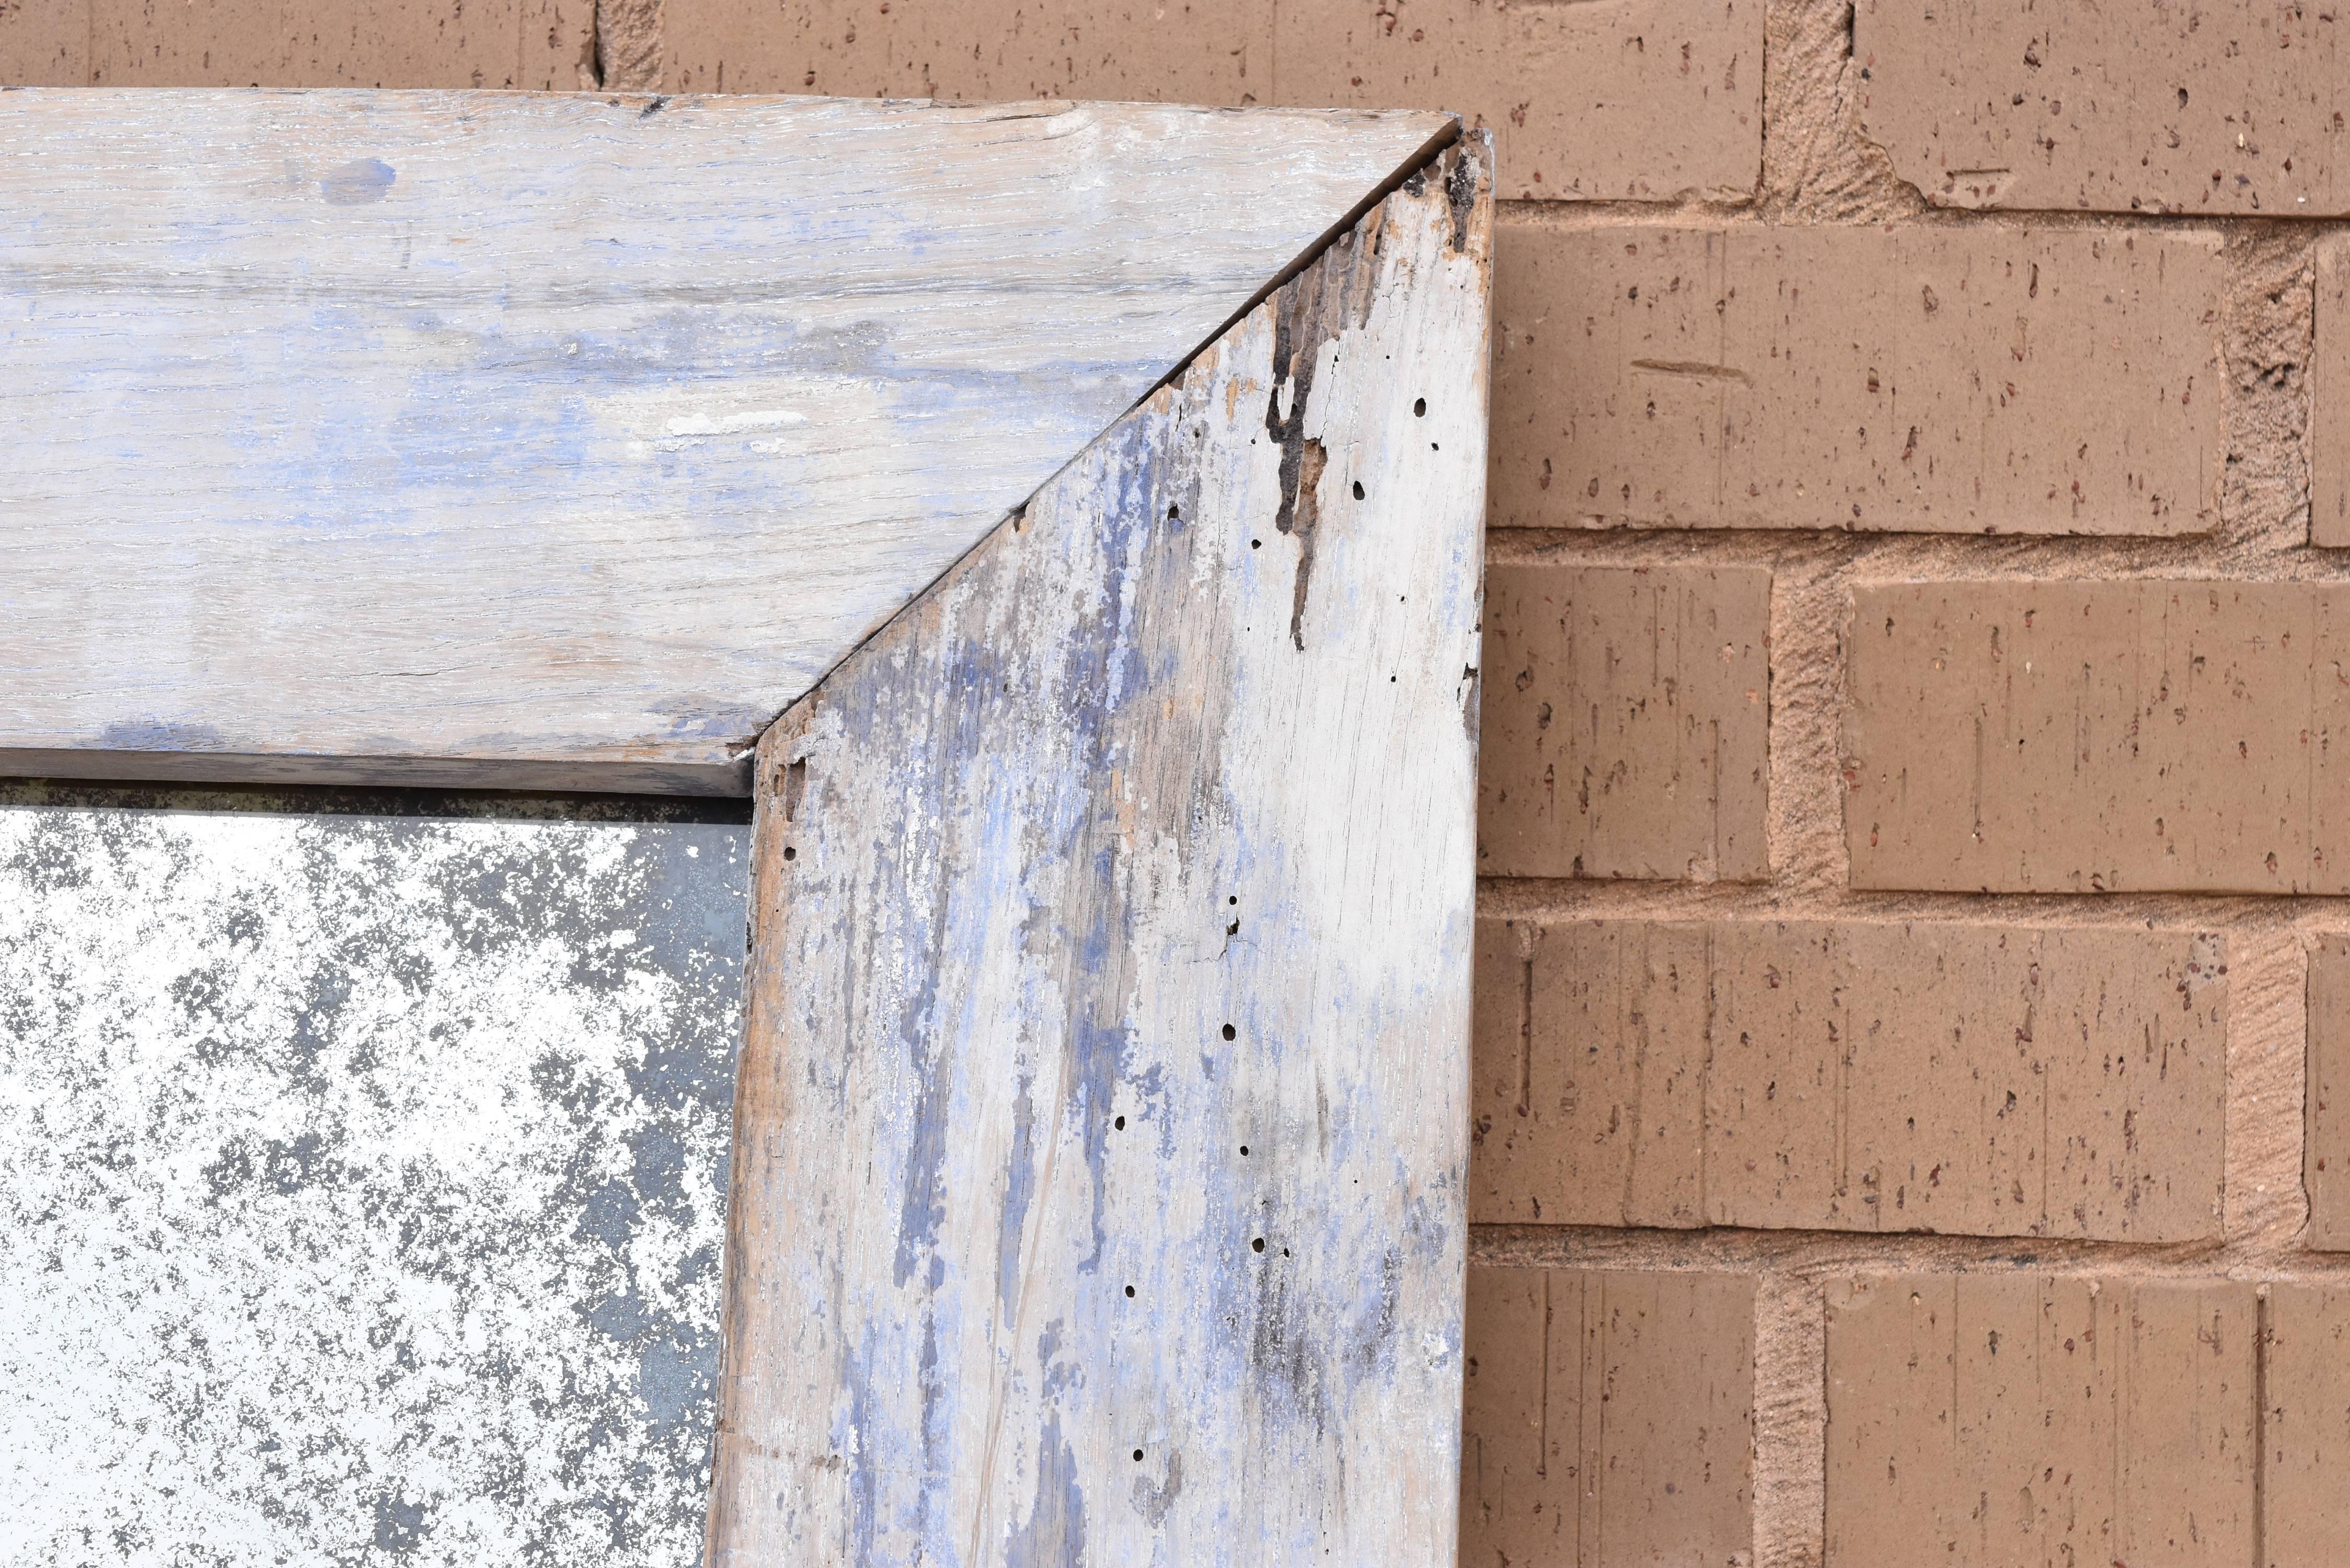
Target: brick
2029	1418
2326	1105
2305	1426
2227	107
1851	1076
1187	51
43	43
2329	393
1609	1419
523	43
1928	379
2099	736
1625	723
1636	100
1589	1063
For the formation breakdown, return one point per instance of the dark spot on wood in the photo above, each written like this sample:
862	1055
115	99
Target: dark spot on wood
1230	1033
1314	311
1460	191
794	786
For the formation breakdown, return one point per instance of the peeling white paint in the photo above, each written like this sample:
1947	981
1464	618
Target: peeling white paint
361	1187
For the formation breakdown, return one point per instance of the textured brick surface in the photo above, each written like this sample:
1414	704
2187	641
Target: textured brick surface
2229	105
529	44
2014	1418
2329	382
1637	99
1194	51
2100	736
2306	1426
1926	379
1609	1419
43	43
1588	1105
2325	1172
1975	1079
1626	723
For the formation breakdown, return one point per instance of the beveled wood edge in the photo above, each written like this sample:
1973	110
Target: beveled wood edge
728	779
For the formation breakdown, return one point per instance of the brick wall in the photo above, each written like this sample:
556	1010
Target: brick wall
1913	1035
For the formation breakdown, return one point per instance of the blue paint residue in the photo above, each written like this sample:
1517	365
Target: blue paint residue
358	182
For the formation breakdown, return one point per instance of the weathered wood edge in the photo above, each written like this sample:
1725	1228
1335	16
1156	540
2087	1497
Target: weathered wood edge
728	779
792	1476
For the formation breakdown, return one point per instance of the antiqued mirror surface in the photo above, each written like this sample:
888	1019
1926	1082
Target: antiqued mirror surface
361	1185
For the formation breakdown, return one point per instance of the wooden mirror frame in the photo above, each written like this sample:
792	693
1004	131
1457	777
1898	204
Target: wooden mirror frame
1101	1136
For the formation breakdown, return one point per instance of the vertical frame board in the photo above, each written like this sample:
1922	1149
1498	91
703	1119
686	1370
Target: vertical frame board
1102	1132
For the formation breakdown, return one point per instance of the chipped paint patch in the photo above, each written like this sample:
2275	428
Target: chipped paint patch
361	1185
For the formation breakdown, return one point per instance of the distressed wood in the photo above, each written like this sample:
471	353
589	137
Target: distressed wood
563	441
1112	913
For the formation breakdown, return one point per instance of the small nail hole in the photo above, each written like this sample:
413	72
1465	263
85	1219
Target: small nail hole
1230	1033
790	853
1243	1151
1419	407
1258	1244
1137	1456
1233	899
1130	1292
1358	490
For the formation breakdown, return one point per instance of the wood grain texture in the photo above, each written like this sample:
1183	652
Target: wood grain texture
546	436
1112	914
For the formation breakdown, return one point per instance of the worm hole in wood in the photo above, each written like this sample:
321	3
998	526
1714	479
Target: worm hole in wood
1358	490
1119	1124
1257	1245
1419	407
790	853
1243	1151
1130	1292
1256	543
1137	1456
1230	1033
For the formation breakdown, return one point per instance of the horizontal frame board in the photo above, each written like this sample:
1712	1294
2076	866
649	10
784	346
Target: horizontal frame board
563	441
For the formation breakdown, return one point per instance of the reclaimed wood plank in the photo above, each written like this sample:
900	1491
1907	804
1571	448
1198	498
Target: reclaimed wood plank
564	441
1102	1131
